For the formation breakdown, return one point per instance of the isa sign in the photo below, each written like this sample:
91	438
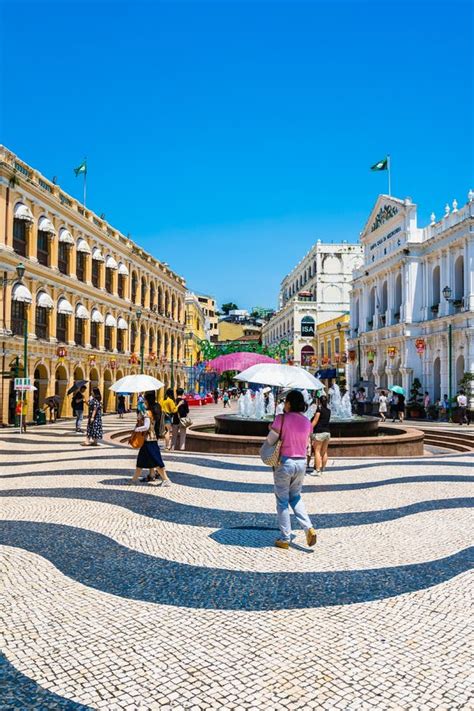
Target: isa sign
22	384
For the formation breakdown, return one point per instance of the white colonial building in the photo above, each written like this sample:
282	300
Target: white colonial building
315	291
401	320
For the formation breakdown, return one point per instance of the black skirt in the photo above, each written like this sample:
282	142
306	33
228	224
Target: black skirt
149	456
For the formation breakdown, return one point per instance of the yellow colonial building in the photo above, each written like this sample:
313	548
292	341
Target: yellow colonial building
91	301
195	331
330	348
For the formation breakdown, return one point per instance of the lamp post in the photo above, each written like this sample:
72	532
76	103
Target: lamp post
142	340
20	271
447	292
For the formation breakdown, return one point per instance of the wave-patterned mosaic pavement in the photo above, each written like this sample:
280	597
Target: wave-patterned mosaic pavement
119	597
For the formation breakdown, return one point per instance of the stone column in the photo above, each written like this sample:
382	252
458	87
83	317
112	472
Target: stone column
32	240
53	252
70	329
87	333
72	261
88	269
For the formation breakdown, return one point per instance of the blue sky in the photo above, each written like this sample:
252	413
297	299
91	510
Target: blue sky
226	137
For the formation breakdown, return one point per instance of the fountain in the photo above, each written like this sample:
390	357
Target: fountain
351	435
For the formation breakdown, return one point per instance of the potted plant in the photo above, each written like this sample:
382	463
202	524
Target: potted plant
415	403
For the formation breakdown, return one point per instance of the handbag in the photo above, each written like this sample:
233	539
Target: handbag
185	421
270	453
137	439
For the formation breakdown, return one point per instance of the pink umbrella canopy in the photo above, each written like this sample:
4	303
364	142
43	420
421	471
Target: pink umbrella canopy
238	361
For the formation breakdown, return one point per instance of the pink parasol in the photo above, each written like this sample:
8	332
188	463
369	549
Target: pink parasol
238	361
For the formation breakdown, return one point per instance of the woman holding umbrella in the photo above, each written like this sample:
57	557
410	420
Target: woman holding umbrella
149	454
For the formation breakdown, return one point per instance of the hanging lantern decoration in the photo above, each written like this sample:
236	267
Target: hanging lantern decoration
371	357
61	352
344	358
152	357
325	360
133	360
420	345
91	361
391	351
337	358
352	356
113	363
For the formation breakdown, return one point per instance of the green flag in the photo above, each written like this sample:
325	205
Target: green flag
381	165
81	168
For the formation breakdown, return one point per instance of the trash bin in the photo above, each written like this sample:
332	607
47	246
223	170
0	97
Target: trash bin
40	417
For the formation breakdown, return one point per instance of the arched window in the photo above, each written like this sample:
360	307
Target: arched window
144	290
398	297
65	310
21	298
436	281
160	300
22	219
46	233
152	296
133	338
44	304
81	315
458	291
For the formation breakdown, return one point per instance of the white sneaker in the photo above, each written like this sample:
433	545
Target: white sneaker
317	472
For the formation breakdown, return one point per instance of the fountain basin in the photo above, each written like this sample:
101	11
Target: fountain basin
390	441
250	427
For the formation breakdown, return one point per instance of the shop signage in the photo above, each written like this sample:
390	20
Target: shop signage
385	238
307	327
23	384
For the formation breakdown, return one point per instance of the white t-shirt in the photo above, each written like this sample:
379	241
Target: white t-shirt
462	400
383	403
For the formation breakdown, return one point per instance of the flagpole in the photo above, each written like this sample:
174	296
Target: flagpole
389	167
85	186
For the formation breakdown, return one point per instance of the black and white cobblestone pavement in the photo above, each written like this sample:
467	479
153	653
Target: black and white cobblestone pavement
138	597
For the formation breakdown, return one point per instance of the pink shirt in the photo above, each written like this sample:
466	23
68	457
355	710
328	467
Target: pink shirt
296	431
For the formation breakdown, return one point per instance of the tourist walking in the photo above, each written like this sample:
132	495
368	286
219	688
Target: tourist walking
401	407
383	405
321	435
444	409
78	407
94	430
169	408
225	399
215	396
361	400
461	400
178	425
121	409
394	407
293	429
149	454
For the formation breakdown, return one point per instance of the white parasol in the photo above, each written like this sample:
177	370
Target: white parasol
280	376
137	384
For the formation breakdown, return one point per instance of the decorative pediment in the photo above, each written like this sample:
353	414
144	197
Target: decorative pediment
385	214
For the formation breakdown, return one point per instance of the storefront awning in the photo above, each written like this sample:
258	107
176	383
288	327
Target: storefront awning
82	312
23	212
65	236
22	293
45	225
122	325
83	247
110	263
64	307
44	301
96	316
110	321
122	269
97	255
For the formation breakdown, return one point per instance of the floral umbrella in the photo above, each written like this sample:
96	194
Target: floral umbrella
238	361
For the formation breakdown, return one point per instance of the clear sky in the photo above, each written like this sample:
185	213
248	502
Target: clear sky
226	137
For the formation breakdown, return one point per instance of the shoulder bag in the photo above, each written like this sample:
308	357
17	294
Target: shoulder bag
185	421
138	439
270	453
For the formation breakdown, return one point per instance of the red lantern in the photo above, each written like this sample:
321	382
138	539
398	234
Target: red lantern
152	357
61	352
133	360
113	363
420	345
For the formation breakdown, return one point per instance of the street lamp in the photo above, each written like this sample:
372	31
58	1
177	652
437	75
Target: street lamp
447	293
142	340
339	327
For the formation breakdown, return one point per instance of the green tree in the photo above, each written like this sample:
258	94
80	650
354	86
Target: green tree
230	306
